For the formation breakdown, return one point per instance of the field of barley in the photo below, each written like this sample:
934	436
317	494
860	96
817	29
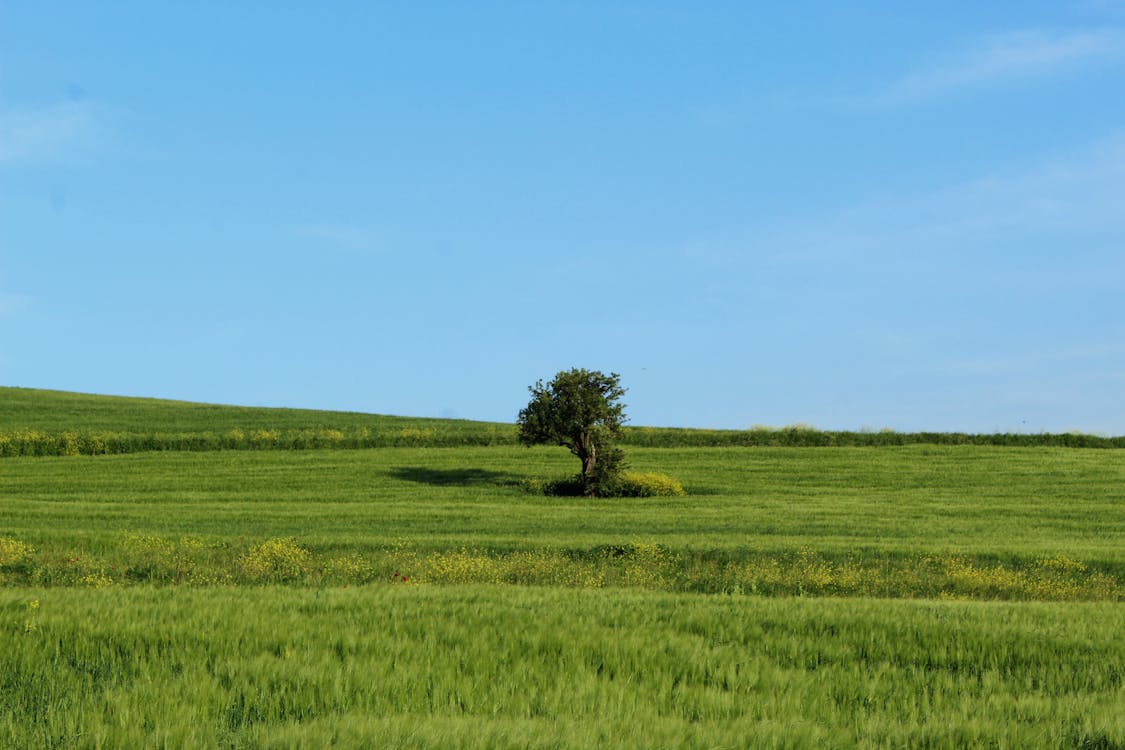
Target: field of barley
184	575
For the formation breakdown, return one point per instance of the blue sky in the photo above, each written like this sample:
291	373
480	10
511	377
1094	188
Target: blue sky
851	215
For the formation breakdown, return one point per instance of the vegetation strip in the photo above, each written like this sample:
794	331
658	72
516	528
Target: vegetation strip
30	442
196	562
52	423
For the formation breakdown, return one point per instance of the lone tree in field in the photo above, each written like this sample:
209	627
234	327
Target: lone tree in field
580	410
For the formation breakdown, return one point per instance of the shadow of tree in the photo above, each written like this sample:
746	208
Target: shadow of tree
454	477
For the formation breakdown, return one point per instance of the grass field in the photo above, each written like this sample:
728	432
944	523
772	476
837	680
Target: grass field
794	597
487	667
58	411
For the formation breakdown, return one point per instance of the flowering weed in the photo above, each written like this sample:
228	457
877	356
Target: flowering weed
14	553
276	561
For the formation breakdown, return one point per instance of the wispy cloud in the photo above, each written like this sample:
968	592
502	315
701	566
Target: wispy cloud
1002	58
1055	224
44	134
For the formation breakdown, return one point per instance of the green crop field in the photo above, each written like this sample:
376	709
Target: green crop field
293	578
490	667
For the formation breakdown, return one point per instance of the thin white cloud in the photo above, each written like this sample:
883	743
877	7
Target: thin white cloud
1082	191
44	134
1054	225
1003	58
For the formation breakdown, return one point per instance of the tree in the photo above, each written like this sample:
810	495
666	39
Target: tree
580	410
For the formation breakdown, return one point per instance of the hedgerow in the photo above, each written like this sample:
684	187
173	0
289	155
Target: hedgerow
33	442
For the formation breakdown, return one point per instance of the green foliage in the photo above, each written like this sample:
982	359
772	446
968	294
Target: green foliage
576	404
604	479
571	486
395	432
803	436
74	443
581	411
610	483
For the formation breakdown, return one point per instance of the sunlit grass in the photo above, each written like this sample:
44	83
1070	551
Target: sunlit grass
483	667
1002	505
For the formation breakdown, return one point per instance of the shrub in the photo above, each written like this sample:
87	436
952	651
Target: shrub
567	487
627	484
648	484
605	478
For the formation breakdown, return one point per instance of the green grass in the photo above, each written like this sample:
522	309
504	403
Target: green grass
913	521
49	423
244	599
58	411
486	667
1007	503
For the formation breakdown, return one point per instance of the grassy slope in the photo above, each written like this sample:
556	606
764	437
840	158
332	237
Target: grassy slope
56	411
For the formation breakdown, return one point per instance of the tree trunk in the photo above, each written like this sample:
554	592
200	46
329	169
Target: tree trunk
588	462
588	457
